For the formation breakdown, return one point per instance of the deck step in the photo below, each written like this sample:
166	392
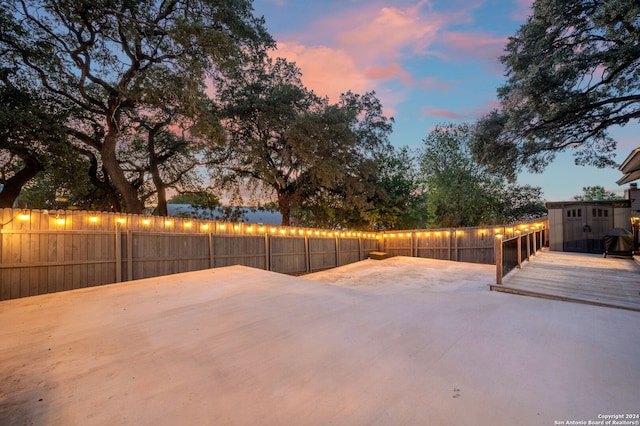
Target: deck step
378	255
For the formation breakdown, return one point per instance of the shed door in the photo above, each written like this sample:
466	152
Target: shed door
601	221
575	238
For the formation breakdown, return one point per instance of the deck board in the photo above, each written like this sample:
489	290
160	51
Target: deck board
577	277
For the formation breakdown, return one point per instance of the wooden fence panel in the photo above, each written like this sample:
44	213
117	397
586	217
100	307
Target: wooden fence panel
398	245
288	254
349	251
239	250
434	245
368	245
322	253
474	246
155	254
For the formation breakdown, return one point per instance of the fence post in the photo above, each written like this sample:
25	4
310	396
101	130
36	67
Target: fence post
129	254
455	245
528	247
211	254
498	253
359	249
270	253
267	263
307	257
118	253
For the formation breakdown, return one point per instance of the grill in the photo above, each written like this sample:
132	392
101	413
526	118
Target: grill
618	242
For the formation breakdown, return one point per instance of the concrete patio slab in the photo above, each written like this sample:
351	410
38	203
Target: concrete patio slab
417	342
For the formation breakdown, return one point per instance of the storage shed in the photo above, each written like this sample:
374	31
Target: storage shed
580	226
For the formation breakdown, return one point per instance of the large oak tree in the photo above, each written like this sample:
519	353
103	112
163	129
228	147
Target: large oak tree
573	72
113	59
288	141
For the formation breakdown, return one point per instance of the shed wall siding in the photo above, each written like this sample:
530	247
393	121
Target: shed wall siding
556	230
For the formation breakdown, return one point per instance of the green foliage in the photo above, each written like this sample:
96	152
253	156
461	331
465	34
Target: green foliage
596	193
573	72
32	137
400	199
115	61
462	192
285	139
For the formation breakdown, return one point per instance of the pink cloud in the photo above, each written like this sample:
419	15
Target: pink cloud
432	83
389	31
479	45
328	71
365	55
393	70
443	113
464	114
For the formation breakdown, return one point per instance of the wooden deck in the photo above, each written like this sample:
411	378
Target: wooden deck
577	277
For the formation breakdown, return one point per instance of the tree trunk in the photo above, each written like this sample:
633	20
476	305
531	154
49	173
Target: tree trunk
284	206
161	192
104	185
14	184
132	203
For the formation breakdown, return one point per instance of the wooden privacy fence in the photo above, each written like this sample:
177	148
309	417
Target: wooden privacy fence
49	251
472	245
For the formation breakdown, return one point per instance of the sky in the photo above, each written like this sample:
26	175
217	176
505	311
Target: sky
429	62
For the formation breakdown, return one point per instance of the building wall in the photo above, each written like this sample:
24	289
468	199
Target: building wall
555	229
622	218
633	194
566	228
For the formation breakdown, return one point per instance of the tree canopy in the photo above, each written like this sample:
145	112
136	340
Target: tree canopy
462	192
32	137
287	140
115	60
573	72
400	198
596	193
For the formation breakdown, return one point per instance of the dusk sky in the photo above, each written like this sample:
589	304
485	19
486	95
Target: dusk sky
429	62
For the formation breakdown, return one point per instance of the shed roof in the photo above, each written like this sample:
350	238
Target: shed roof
608	203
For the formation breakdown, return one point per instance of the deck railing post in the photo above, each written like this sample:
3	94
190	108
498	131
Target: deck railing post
519	250
498	253
534	242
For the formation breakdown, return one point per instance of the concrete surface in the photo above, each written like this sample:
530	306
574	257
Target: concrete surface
398	341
